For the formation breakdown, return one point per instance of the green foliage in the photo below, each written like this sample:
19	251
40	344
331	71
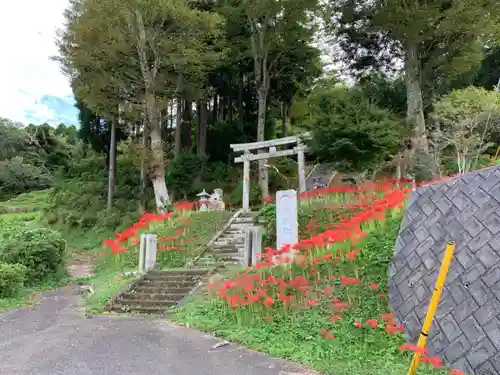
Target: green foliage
12	276
295	335
469	125
79	200
385	92
351	131
40	250
17	176
184	173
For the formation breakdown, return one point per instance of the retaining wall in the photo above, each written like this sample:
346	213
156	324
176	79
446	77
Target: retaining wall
466	210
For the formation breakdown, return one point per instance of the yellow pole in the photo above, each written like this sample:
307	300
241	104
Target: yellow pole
431	311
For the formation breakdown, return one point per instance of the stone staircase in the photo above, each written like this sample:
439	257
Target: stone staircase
229	245
321	174
157	291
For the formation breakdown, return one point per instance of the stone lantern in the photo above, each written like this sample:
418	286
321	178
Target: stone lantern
204	200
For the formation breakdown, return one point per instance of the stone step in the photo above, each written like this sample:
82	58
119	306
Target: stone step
145	303
235	232
228	240
140	296
229	256
155	289
227	243
231	235
119	308
181	271
167	284
173	278
224	250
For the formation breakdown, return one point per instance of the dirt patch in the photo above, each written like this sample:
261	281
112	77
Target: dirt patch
80	269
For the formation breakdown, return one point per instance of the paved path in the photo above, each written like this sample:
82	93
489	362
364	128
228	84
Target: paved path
56	339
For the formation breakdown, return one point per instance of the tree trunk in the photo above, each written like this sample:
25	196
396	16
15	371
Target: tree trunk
157	159
215	109
187	130
202	136
284	118
240	103
415	106
178	128
198	123
230	110
157	170
222	106
261	126
112	166
145	147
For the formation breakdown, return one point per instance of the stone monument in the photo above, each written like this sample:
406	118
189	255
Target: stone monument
287	227
216	202
465	210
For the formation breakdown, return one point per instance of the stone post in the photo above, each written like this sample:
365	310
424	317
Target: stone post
246	181
301	163
287	227
257	234
147	253
151	246
247	253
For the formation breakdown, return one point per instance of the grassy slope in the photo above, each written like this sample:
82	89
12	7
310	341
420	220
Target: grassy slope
26	202
197	229
296	336
86	246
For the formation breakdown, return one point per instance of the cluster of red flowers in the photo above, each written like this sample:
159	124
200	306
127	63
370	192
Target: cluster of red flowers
336	242
118	244
257	288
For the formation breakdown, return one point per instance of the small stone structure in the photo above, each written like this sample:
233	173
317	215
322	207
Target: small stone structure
211	202
216	202
203	203
466	210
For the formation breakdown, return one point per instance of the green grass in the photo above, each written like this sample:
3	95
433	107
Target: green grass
27	202
197	229
106	285
295	335
27	296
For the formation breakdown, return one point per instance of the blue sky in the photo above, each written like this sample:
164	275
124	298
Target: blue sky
32	87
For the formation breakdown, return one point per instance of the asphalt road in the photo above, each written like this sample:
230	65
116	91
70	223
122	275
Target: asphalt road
54	338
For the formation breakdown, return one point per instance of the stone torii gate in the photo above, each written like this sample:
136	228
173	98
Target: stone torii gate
251	153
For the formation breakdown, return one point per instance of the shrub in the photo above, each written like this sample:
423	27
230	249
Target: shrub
40	250
351	131
11	279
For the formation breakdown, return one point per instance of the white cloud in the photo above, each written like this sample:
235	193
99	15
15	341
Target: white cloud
27	41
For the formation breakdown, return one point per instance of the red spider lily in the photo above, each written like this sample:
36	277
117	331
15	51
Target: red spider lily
334	318
372	323
455	371
115	247
268	200
434	361
373	286
413	348
394	329
358	324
